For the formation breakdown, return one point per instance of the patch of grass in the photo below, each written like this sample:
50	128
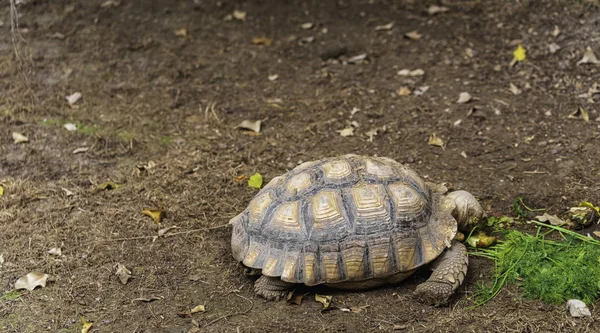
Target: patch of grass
51	122
126	135
552	271
87	130
10	295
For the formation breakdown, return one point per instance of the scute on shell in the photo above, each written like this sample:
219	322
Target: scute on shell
348	218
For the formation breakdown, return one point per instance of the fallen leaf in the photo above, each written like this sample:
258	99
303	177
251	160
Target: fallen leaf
73	98
273	77
588	57
274	101
163	231
240	179
262	41
434	9
31	280
70	127
55	251
580	113
357	58
552	219
239	15
1	190
80	150
293	298
147	299
388	26
469	52
553	48
155	214
515	90
403	91
596	233
421	90
408	72
348	131
324	299
520	54
181	32
556	31
307	25
19	138
198	308
123	273
85	325
578	309
355	309
254	126
414	35
108	186
434	140
255	181
110	3
590	205
464	97
371	134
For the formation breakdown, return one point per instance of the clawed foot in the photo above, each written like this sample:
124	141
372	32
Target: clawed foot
272	289
434	293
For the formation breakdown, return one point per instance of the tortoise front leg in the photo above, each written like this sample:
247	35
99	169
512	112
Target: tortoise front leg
449	271
272	288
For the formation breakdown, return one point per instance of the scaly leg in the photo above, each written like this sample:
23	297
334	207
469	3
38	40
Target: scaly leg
449	271
271	288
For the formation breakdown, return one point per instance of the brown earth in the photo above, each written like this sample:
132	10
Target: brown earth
151	94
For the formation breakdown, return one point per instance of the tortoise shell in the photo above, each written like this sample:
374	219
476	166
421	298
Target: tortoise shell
348	218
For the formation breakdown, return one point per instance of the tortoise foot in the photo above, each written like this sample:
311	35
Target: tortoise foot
271	288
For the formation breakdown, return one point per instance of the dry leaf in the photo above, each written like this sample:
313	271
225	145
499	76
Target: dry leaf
85	325
434	140
155	214
110	3
262	41
414	35
123	273
348	131
163	231
596	233
469	52
181	32
273	77
556	31
403	91
147	299
56	251
388	26
464	97
80	150
580	113
31	280
1	190
293	298
254	126
307	25
239	15
324	299
421	90
357	58
70	127
19	138
433	9
198	308
553	48
552	219
408	72
371	134
73	98
515	90
588	57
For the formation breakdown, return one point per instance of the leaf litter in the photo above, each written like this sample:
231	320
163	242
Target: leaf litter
255	181
31	281
155	214
123	273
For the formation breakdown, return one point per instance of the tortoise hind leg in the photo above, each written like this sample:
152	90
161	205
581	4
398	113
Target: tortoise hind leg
271	288
449	271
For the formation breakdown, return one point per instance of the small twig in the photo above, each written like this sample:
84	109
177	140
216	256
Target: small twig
233	314
535	172
167	235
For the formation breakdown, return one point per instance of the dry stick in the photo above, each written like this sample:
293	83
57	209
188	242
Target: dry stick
169	234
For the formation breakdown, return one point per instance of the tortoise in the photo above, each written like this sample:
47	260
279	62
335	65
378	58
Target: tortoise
354	222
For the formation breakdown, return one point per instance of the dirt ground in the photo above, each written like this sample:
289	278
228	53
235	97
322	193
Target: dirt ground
164	84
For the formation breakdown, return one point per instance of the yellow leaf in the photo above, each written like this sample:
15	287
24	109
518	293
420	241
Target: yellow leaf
255	181
262	41
581	204
85	325
403	91
155	214
519	53
434	140
324	299
1	190
198	308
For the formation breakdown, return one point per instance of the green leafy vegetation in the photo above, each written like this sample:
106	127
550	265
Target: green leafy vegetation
550	270
10	295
